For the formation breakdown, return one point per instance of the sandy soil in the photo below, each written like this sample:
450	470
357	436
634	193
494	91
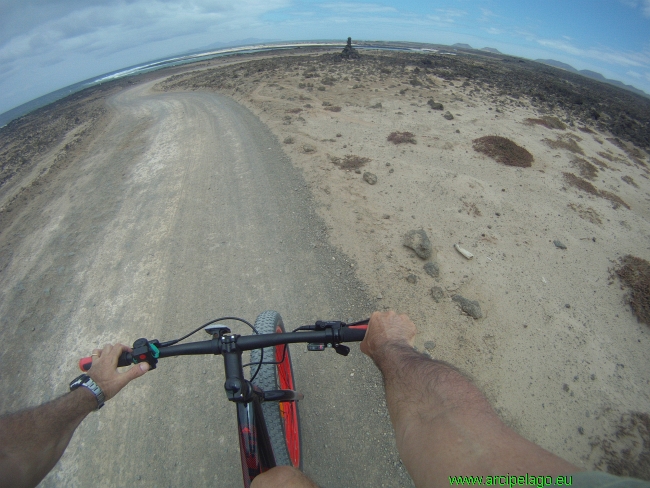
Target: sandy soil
558	350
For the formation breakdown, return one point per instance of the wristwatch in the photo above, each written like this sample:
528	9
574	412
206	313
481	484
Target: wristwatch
85	380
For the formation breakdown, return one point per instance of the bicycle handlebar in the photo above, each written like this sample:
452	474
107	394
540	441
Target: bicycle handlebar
329	336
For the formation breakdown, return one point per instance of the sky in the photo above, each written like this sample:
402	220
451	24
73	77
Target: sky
49	44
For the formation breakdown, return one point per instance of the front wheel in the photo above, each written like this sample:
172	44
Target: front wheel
282	419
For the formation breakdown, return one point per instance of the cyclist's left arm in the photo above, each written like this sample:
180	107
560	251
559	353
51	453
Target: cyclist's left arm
33	440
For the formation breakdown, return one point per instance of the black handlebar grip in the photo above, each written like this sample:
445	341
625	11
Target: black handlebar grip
354	333
125	359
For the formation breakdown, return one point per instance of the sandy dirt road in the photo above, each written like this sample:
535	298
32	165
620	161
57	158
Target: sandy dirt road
184	208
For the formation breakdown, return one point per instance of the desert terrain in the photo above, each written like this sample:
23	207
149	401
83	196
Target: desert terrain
114	202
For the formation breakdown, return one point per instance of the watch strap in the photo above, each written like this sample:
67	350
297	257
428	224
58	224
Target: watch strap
87	382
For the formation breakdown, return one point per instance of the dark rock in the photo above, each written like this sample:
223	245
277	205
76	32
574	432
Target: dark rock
470	307
308	148
419	242
413	279
448	115
376	105
432	269
559	245
437	293
435	105
430	345
370	178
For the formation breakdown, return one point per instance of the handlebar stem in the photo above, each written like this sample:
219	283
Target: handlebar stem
238	388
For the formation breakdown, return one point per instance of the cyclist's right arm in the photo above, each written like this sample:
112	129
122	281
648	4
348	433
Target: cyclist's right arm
443	424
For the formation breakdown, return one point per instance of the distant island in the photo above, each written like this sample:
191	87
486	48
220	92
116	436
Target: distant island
591	74
558	64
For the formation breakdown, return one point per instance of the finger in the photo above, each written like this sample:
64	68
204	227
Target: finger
135	372
96	353
124	347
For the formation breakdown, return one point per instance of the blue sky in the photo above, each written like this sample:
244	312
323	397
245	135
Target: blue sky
48	44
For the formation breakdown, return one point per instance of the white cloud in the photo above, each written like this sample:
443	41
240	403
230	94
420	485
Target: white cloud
634	74
358	8
448	16
494	31
644	5
111	27
620	58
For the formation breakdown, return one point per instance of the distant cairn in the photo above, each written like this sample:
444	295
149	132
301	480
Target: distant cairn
349	52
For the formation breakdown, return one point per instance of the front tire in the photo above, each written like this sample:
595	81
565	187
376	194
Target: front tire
282	419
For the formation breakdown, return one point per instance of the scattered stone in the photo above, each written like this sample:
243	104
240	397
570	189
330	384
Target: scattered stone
289	140
581	430
338	135
592	377
370	178
566	305
308	148
385	216
419	242
357	171
559	245
432	269
430	345
565	387
448	115
376	105
470	307
435	105
413	279
437	293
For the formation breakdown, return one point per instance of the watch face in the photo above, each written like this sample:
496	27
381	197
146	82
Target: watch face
78	381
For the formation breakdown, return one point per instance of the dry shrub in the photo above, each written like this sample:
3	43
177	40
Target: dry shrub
601	164
568	144
504	151
607	156
294	111
614	198
617	142
630	181
634	273
333	108
587	187
587	170
402	137
548	122
634	153
350	161
586	213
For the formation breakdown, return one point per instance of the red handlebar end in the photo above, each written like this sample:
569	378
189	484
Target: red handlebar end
85	363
